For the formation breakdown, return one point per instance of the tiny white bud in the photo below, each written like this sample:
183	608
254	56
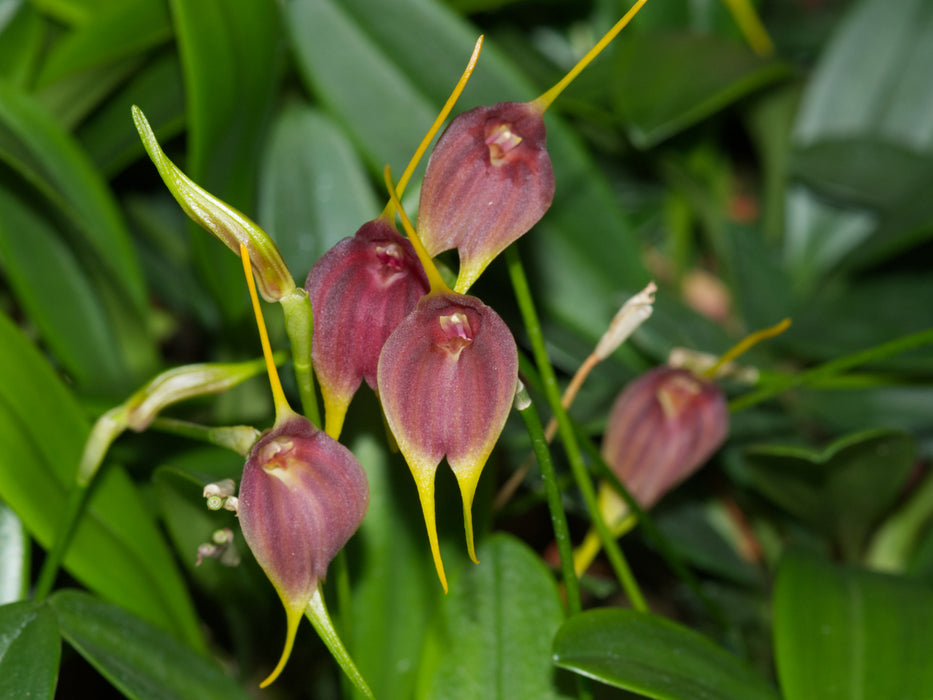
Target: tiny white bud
223	488
231	503
522	399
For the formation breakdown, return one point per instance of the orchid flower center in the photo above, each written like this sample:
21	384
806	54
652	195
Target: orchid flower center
501	140
456	333
391	260
276	458
676	394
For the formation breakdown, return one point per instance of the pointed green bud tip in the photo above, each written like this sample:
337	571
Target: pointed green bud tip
302	496
447	377
360	290
220	219
663	427
489	180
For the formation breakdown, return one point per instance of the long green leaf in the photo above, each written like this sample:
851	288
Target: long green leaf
138	658
493	635
654	657
30	649
14	553
57	295
395	589
34	145
845	633
117	550
313	190
870	83
842	490
122	30
667	82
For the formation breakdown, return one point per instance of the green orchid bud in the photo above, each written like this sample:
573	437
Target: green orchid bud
447	377
220	219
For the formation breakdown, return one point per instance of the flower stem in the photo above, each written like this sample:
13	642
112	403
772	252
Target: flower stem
317	613
831	369
568	437
539	444
299	326
74	507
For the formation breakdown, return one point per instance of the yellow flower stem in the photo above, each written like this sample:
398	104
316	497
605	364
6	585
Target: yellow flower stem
751	26
545	100
389	211
436	282
746	344
282	409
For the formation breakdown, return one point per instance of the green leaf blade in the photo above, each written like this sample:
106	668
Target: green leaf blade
138	658
655	657
30	650
844	633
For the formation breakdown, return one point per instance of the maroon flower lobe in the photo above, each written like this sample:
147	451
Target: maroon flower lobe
360	290
663	427
489	180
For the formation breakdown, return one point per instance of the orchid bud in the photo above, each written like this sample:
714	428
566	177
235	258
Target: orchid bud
447	378
360	290
302	496
489	180
227	224
662	428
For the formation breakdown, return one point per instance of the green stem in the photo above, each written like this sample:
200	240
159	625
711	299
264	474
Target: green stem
565	429
317	613
299	325
833	368
539	444
653	534
74	507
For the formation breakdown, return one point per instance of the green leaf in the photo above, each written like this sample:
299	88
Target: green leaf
139	659
492	636
57	295
14	553
398	67
117	550
870	84
21	35
30	649
842	490
665	83
654	657
864	171
120	31
34	145
108	134
844	633
314	190
230	60
395	588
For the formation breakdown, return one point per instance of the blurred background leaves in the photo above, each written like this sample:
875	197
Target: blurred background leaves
750	187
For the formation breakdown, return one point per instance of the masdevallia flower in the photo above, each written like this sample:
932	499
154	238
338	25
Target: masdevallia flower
488	181
663	426
302	496
360	290
447	377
